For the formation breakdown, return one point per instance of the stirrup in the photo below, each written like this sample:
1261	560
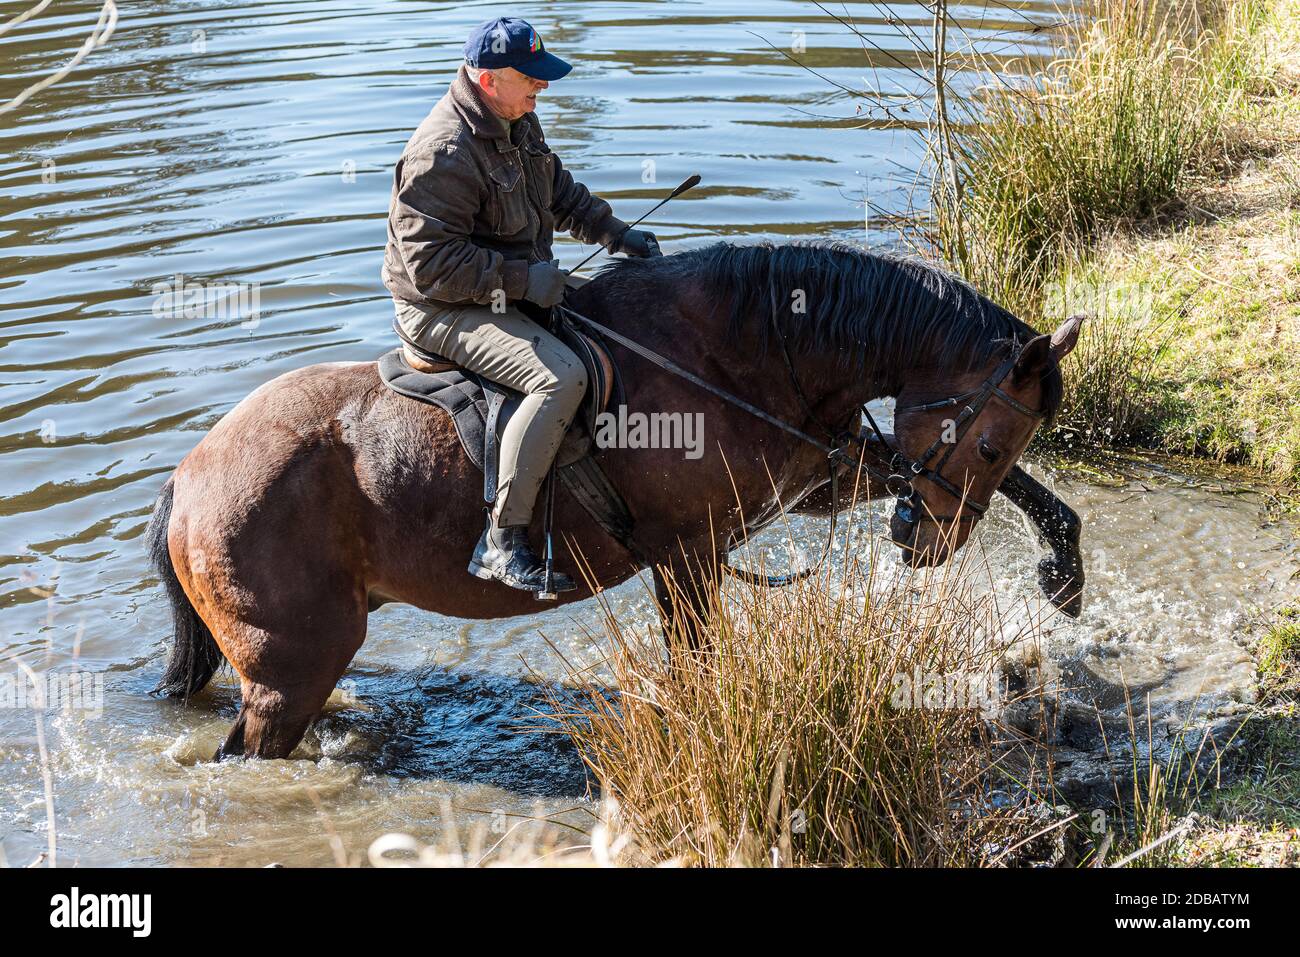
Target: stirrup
548	592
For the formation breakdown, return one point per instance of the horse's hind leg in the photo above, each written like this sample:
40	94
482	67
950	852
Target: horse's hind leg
272	721
287	683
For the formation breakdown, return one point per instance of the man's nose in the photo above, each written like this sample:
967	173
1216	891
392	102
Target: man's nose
542	84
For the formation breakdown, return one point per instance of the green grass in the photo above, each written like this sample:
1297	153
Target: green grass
1269	794
1194	347
1279	656
1099	186
1255	820
1133	109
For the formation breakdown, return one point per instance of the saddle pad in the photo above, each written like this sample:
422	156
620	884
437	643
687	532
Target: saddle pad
458	393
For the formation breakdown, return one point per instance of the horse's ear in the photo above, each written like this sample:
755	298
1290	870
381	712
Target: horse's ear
1034	359
1066	337
1041	351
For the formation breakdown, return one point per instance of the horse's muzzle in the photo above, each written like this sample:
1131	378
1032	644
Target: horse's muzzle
903	526
904	530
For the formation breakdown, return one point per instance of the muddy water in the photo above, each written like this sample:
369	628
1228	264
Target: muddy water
253	143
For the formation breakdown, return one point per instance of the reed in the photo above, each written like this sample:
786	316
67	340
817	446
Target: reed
850	719
1159	812
1139	103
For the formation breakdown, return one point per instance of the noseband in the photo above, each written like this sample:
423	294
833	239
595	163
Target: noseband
911	508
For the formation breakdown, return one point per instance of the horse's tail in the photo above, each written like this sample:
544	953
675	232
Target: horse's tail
194	655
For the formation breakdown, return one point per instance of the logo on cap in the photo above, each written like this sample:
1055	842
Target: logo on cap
511	42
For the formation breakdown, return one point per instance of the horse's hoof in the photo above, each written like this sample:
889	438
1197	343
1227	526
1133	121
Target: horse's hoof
1071	606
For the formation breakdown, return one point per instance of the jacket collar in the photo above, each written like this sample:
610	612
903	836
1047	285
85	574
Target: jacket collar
482	121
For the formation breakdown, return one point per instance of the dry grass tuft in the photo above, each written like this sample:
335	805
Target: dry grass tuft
846	720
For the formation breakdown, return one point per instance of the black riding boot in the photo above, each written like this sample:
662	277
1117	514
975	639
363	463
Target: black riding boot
505	555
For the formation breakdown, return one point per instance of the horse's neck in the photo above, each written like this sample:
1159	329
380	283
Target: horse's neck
835	387
879	377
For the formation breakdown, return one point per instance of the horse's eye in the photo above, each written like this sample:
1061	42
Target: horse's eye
987	452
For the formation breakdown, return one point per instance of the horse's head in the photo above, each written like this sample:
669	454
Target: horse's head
955	449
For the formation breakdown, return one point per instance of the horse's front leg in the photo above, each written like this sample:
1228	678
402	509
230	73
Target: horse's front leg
1060	575
687	595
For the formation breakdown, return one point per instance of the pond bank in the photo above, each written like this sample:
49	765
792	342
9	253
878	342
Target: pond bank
1212	290
1150	177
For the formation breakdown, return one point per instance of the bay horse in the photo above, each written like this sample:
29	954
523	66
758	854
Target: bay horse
323	495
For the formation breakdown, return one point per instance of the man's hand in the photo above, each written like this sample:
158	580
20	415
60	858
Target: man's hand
639	243
545	284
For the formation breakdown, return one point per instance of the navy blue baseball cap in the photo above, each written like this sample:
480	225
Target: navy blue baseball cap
509	41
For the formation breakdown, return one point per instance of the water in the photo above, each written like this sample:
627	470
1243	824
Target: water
240	143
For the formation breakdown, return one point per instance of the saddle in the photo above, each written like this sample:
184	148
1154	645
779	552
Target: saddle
477	405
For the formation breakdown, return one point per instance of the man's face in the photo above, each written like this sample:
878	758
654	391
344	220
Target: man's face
509	93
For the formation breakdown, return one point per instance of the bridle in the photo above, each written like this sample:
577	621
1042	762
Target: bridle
911	508
898	480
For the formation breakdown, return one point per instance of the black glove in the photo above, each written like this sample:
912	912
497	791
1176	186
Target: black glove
638	243
545	284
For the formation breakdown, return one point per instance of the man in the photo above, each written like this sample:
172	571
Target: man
477	195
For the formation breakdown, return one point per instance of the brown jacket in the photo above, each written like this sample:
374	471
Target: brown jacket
473	205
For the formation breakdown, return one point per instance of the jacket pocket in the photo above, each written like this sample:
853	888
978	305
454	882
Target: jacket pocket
541	173
509	204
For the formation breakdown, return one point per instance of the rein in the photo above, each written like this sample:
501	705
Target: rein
836	453
902	470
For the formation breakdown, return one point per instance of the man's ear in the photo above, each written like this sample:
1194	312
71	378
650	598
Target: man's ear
1066	336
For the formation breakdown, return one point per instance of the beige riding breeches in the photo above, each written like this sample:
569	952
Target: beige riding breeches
511	349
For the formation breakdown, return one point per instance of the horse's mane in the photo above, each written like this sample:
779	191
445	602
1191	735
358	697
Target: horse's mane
864	305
